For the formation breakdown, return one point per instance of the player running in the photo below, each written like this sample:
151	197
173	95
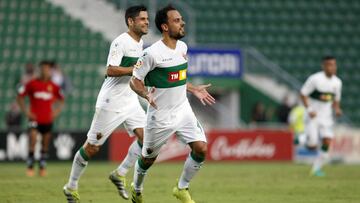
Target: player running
43	94
163	68
320	93
116	104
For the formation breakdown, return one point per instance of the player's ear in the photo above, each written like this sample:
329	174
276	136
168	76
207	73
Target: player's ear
130	22
165	27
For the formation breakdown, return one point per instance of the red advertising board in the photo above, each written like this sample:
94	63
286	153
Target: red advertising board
345	146
240	145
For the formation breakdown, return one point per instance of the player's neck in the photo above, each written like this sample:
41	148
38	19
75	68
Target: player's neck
45	79
328	75
169	42
135	36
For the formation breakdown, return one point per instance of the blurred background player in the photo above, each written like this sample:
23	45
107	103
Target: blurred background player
296	120
13	118
319	94
163	68
43	95
116	104
61	79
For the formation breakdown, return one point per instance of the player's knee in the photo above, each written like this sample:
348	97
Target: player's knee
325	144
200	151
91	150
148	161
203	151
311	147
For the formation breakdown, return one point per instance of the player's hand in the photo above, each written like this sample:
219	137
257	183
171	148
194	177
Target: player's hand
30	115
202	94
150	97
338	112
312	114
56	113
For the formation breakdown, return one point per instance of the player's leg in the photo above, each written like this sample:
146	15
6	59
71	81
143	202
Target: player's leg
323	155
312	133
134	125
103	124
193	134
118	176
141	167
193	163
134	153
154	139
32	142
45	131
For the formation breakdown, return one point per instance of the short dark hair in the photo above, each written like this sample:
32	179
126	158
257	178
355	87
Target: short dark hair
325	58
133	11
161	16
45	62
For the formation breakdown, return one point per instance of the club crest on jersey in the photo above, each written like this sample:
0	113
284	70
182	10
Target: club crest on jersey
49	88
177	76
138	64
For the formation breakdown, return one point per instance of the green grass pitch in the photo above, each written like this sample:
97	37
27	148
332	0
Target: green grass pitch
233	182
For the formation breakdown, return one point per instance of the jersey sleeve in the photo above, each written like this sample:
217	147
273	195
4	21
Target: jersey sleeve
338	92
58	93
308	87
116	54
144	65
184	48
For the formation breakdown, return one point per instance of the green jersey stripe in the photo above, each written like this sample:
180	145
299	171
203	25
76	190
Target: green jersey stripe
167	77
128	61
322	96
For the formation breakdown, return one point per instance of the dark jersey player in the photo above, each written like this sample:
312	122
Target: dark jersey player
41	112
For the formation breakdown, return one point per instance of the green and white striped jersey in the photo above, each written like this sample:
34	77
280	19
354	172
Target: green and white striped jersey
115	93
322	91
165	69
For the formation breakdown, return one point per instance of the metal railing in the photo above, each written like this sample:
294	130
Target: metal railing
256	62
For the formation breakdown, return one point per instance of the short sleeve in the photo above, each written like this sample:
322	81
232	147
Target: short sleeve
338	92
58	93
144	65
183	48
116	54
308	87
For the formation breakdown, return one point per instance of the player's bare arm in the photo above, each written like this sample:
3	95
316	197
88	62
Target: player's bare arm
305	101
337	108
139	88
118	71
58	108
21	101
201	93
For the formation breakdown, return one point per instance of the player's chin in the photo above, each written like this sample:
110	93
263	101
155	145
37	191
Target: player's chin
144	31
181	35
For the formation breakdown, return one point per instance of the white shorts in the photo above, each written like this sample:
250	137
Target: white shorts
183	124
316	130
105	122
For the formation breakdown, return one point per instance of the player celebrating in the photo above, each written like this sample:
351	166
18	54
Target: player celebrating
116	104
163	68
42	93
320	93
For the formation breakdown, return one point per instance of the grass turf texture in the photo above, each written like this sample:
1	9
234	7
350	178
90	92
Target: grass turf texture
216	182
